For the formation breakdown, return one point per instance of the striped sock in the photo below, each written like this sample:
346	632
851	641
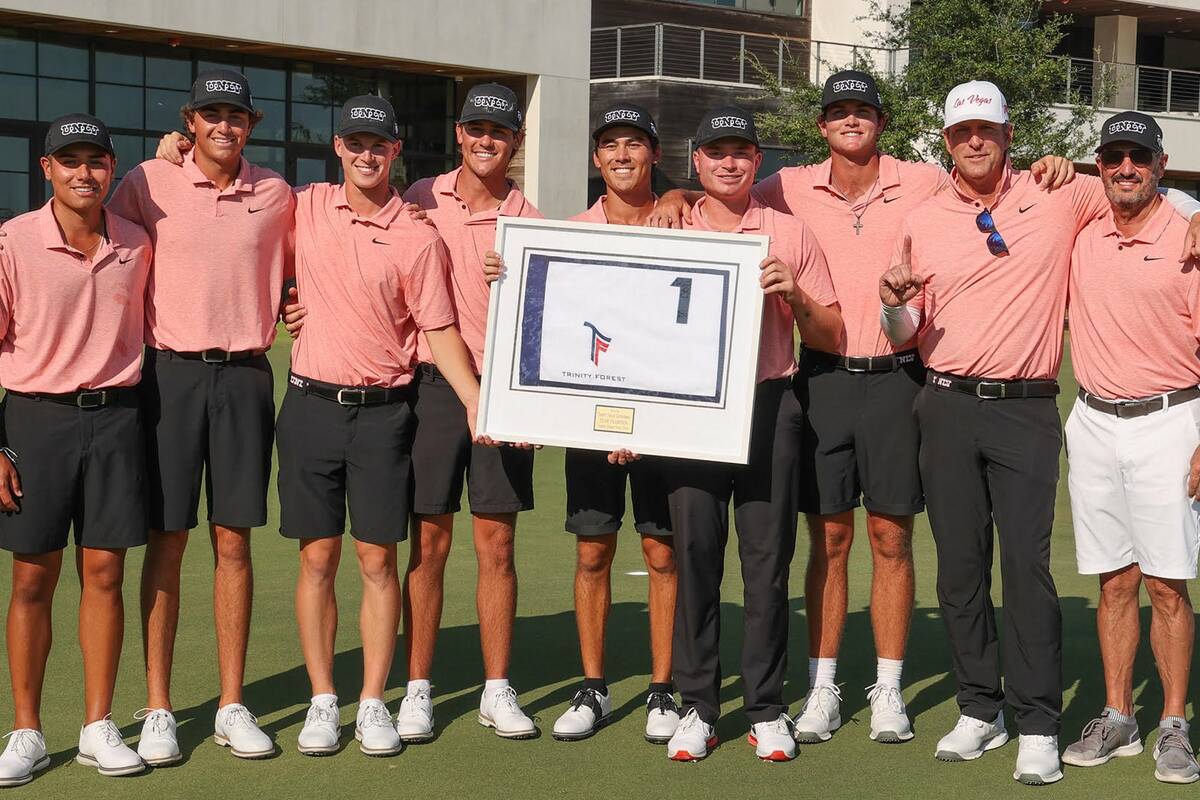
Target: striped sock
1178	723
1117	716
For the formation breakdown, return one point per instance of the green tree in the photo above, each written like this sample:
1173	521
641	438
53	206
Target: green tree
947	42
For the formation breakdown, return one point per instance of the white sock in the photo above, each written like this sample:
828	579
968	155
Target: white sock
495	685
317	698
821	672
418	685
888	672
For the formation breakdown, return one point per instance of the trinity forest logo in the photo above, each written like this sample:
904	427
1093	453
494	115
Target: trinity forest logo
600	343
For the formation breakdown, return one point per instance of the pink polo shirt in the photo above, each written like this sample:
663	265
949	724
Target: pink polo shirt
998	317
69	324
1135	320
468	236
857	256
220	257
596	212
793	244
369	284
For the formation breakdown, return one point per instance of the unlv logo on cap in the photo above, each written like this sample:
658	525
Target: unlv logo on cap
622	114
730	122
364	112
231	87
1127	126
86	128
850	85
492	102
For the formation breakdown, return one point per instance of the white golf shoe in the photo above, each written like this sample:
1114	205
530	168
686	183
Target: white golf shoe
158	745
321	733
374	730
24	755
101	746
971	738
237	729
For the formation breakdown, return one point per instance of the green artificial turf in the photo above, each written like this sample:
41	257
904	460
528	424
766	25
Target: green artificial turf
467	760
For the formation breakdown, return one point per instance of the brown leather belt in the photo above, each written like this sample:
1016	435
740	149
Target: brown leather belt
1129	409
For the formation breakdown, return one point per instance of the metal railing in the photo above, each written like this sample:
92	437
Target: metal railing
710	55
829	57
1154	90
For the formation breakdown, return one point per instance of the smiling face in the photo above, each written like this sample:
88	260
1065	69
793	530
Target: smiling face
486	147
979	147
1131	174
366	159
851	127
80	175
625	155
220	131
726	167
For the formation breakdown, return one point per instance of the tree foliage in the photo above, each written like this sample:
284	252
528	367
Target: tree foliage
948	42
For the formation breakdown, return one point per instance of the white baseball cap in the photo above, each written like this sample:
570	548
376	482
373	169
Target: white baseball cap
981	100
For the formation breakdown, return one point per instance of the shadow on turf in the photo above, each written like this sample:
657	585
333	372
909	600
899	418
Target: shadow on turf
546	654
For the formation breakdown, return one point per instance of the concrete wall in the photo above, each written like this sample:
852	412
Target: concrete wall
547	40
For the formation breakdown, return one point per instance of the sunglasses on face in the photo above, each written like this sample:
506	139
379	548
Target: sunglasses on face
995	242
1140	156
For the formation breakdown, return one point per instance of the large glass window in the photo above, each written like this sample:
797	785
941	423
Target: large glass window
138	90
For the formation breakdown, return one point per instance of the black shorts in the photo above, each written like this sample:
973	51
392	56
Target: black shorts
84	468
596	494
860	438
331	456
210	420
499	479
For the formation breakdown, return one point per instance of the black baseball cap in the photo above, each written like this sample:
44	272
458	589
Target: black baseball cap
1132	127
369	113
724	121
494	103
850	84
215	86
76	128
628	114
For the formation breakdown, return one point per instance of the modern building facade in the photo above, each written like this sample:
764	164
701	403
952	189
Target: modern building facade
131	62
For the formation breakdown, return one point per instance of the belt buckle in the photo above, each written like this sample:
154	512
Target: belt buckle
362	397
224	356
92	399
1003	390
867	368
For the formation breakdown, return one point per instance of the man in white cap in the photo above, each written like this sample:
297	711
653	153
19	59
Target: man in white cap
981	278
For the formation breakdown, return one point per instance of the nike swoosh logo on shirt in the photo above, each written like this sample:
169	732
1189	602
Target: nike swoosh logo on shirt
376	241
255	210
1026	208
126	260
1148	258
890	199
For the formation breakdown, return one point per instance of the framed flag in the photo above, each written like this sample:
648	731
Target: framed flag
609	336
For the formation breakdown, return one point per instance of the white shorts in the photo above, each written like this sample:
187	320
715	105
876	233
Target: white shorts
1128	482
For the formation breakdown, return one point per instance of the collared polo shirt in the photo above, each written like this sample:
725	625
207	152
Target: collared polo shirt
369	285
68	323
468	237
220	257
1135	324
793	244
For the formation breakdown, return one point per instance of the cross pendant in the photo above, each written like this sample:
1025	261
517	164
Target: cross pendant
858	226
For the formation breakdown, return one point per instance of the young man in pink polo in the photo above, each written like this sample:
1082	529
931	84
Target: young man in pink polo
221	228
72	281
370	277
625	150
464	205
981	280
799	296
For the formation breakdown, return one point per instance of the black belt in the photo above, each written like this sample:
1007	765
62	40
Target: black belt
349	395
888	363
1128	409
215	356
84	398
993	390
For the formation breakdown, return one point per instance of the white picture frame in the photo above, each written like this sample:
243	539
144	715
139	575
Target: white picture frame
660	367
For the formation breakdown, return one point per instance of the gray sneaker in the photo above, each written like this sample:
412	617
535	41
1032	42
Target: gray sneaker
1174	761
1103	740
